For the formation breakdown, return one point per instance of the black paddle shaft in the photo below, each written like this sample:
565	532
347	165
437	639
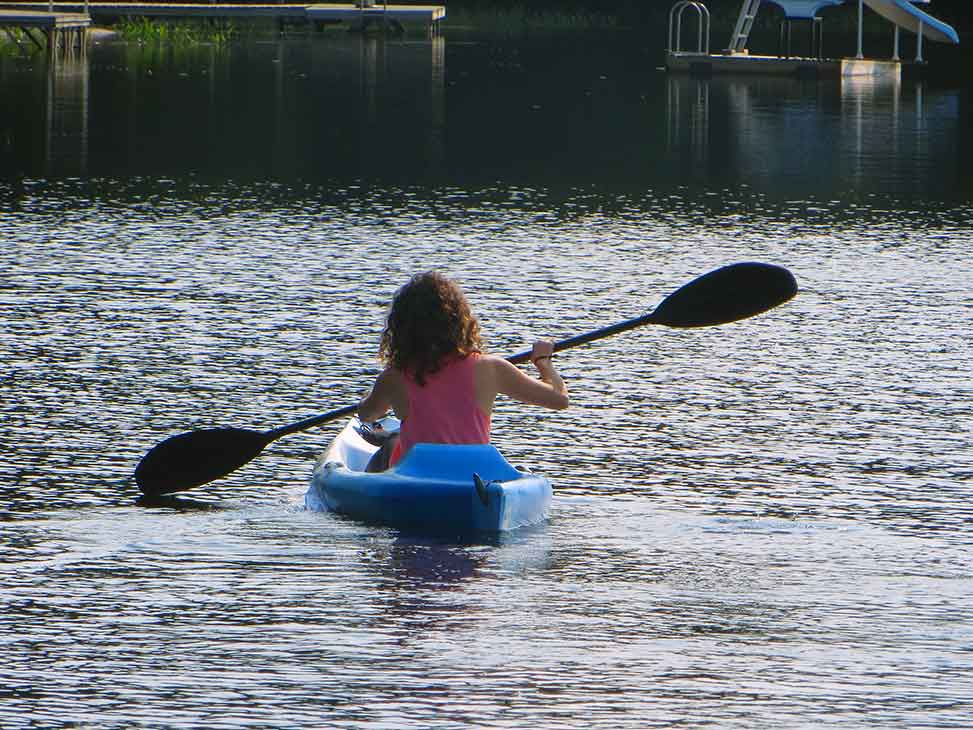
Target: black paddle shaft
724	295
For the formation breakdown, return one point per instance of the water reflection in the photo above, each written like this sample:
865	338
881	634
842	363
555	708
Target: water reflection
67	115
366	108
288	108
688	117
392	77
412	561
873	134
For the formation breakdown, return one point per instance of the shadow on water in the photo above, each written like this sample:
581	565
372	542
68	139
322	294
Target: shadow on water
180	504
412	562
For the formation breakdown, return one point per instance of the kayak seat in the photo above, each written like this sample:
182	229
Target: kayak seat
379	461
456	462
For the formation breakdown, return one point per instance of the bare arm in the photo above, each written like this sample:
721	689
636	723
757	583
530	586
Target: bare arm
387	393
548	390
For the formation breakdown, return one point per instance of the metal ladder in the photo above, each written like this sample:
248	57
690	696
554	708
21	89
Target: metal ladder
741	33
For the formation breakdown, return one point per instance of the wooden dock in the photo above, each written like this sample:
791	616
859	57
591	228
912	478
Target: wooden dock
65	32
432	15
707	64
359	16
737	59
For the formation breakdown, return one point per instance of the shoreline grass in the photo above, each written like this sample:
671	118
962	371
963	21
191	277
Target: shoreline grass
181	32
13	42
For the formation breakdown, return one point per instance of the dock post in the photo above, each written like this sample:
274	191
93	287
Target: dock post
895	44
919	44
861	13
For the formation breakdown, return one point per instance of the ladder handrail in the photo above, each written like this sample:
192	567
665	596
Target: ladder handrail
744	24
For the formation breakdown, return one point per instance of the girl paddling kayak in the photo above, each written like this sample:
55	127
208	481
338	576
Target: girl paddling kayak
437	379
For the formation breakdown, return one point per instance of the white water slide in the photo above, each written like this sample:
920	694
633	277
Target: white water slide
906	15
903	13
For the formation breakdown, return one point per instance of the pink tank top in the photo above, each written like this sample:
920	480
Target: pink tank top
444	410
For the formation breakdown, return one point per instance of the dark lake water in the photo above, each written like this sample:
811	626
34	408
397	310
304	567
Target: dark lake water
765	524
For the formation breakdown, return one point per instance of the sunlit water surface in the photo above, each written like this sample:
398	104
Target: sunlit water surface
765	524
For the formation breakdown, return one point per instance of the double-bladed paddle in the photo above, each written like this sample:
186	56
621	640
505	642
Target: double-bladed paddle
725	295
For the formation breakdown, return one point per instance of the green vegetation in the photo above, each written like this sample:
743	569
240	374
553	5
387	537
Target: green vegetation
12	42
182	32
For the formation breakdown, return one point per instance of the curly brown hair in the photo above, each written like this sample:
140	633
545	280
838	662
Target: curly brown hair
429	321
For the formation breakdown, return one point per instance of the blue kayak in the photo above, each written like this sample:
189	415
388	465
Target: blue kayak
436	488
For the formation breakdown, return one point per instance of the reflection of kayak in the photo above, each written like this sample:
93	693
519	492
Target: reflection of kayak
435	488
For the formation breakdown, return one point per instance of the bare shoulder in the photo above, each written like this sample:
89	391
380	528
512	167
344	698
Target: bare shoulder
389	376
505	374
514	382
389	384
490	361
493	366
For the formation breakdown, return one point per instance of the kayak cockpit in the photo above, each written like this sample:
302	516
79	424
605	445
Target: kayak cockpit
435	487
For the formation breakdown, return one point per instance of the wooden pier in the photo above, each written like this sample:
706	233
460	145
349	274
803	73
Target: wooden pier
65	32
357	15
708	64
378	13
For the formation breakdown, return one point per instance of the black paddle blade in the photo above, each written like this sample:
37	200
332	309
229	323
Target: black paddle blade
725	295
190	459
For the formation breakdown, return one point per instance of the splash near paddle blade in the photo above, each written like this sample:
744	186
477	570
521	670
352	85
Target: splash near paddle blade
191	459
725	295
